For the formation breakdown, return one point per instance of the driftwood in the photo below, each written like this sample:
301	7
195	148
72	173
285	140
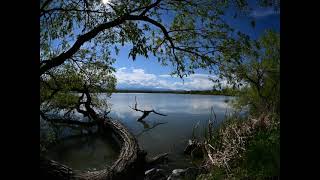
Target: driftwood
129	162
145	112
146	126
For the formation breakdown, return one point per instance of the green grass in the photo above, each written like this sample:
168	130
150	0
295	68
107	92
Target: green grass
261	158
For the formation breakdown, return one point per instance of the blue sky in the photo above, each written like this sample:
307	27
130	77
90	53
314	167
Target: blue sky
147	73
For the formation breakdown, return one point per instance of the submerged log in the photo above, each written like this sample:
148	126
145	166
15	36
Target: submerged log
130	164
145	112
130	161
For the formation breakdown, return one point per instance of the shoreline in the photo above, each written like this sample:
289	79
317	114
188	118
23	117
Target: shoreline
176	92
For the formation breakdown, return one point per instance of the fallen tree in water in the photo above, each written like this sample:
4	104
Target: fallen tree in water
131	163
145	112
131	158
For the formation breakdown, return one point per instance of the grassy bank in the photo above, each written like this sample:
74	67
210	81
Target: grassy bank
247	148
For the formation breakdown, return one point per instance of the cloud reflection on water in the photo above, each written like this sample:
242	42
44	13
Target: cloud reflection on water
183	111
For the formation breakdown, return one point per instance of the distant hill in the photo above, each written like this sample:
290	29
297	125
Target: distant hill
204	92
142	88
226	92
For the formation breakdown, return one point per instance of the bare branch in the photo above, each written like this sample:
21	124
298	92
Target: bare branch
158	113
145	112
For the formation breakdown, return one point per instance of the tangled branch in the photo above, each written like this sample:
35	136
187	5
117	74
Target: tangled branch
145	112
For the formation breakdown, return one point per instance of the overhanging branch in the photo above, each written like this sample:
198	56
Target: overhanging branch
60	59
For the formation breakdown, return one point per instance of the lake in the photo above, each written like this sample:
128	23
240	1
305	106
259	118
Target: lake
157	134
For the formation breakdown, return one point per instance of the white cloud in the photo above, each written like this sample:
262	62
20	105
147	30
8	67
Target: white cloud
122	69
137	76
165	76
141	78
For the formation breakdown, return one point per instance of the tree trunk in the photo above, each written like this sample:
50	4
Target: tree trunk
130	162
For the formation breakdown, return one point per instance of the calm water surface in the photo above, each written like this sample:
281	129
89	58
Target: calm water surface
157	134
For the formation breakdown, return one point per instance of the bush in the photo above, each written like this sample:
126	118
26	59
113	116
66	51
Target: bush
260	157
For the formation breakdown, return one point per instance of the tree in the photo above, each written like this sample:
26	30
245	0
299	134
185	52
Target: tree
79	34
253	65
73	30
77	38
85	32
69	91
